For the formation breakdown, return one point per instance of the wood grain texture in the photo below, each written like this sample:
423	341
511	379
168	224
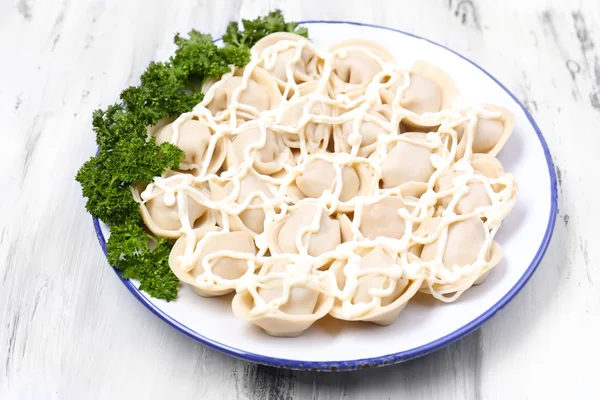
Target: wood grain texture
70	330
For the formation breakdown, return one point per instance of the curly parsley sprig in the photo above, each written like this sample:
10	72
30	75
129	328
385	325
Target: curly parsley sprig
256	29
126	156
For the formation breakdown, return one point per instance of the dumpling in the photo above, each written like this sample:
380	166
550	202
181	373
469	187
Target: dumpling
319	175
294	124
406	162
306	69
268	159
303	306
382	219
354	66
376	258
260	94
423	95
367	132
160	212
301	300
485	167
226	267
490	134
360	306
223	268
465	239
193	138
283	234
476	196
488	166
253	217
430	90
464	242
152	130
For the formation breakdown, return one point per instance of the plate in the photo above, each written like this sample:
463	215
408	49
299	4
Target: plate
425	325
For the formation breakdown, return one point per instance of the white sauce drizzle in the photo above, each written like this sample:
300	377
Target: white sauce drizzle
302	269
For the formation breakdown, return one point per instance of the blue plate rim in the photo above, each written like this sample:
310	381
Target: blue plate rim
396	357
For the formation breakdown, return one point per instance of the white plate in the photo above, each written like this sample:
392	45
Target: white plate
424	325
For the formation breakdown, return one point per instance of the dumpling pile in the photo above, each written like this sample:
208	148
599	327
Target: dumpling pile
333	183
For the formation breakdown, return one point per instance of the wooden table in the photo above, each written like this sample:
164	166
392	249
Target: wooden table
70	330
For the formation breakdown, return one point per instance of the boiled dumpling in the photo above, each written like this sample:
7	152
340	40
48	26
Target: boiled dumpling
303	307
406	162
224	267
268	159
296	129
162	217
386	308
376	258
304	70
490	134
153	129
194	138
465	240
464	243
430	90
382	219
423	95
226	270
260	94
367	131
282	236
485	167
355	65
166	216
476	196
254	216
301	300
320	175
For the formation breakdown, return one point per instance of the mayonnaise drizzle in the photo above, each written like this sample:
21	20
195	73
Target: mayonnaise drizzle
353	104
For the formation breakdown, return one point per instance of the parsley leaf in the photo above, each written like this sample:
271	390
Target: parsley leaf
256	29
129	247
106	178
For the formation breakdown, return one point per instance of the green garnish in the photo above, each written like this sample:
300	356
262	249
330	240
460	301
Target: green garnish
129	248
256	29
126	156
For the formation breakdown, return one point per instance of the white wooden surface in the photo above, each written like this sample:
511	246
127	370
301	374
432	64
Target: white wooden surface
70	330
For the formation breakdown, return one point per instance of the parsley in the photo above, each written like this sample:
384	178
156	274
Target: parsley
130	248
256	29
126	156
